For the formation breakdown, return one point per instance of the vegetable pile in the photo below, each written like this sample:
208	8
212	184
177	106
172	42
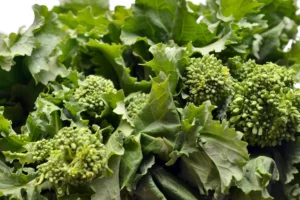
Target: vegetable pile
163	100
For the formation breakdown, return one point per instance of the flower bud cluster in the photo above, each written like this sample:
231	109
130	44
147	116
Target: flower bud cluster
207	79
260	107
88	94
77	157
135	104
40	150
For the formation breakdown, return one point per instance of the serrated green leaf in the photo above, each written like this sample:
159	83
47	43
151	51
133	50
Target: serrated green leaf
186	142
84	22
99	6
13	184
43	63
146	164
292	191
268	42
5	125
113	55
158	123
201	165
217	46
157	15
287	157
169	59
10	141
23	43
258	173
238	8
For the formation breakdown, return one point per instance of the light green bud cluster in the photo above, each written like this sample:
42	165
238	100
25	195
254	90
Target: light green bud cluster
87	154
78	156
240	70
39	150
207	79
293	97
88	94
135	104
54	171
260	107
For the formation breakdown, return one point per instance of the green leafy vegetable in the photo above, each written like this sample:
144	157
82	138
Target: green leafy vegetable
161	100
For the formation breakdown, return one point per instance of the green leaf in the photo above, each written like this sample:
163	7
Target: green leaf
13	184
169	59
148	190
5	125
185	27
6	60
43	63
274	11
217	46
155	132
170	185
146	164
294	53
158	122
268	42
45	121
130	162
204	35
23	43
201	165
186	142
114	145
150	19
120	14
84	23
113	55
286	158
10	141
108	188
233	151
99	6
258	173
125	126
292	191
166	20
238	8
69	49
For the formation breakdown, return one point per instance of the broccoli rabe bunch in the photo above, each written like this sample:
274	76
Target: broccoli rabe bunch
207	79
77	157
261	107
89	93
135	103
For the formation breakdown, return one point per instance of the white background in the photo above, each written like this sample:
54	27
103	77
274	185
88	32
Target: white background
16	13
